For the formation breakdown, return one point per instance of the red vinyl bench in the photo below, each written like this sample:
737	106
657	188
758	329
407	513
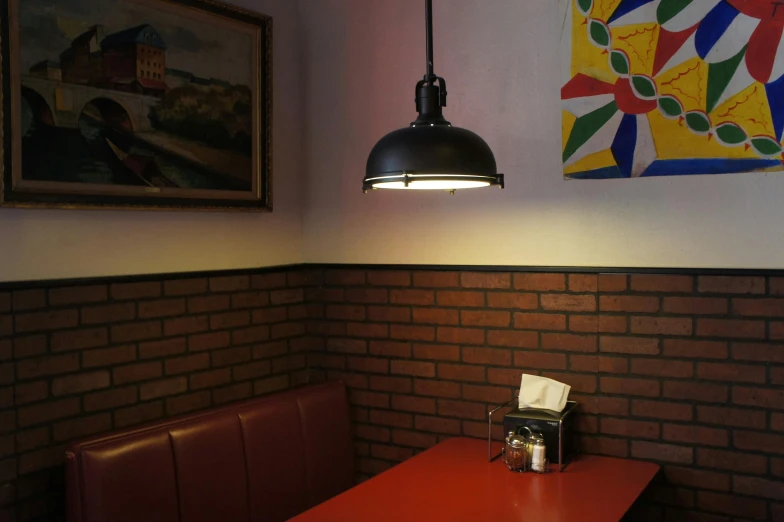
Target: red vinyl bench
265	460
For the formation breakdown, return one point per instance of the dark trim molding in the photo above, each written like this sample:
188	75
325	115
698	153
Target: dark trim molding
18	285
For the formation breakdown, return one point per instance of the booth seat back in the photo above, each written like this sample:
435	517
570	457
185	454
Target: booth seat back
266	460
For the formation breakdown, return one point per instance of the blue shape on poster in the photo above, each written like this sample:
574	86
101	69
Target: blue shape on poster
775	92
626	7
713	26
707	166
624	144
602	173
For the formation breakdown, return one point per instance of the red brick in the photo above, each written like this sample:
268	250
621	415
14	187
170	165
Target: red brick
389	278
30	346
579	363
583	282
272	280
498	280
630	345
352	346
569	342
292	329
620	303
697	478
43	321
366	295
439	352
505	377
737	417
539	360
39	460
187	364
78	428
663	368
769	353
695	349
189	402
207	341
162	388
229	320
390	384
460	335
24	300
461	372
579	383
30	392
732	328
230	356
695	391
180	287
186	325
136	372
111	313
626	386
758	397
390	349
269	315
367	330
514	339
131	332
732	505
437	425
534	321
270	349
208	303
613	364
485	318
80	383
605	446
47	412
512	300
758	487
540	282
247	299
731	372
368	364
254	370
412	333
442	316
229	283
598	323
132	291
489	394
254	334
462	409
369	399
391	453
437	279
731	285
612	406
695	305
758	307
233	393
759	441
413	368
698	435
487	356
414	439
26	440
662	452
777	467
569	302
161	308
777	376
77	295
412	297
461	298
662	283
414	404
49	365
443	389
155	349
290	296
612	282
209	379
661	326
138	414
391	418
79	339
630	428
374	433
389	314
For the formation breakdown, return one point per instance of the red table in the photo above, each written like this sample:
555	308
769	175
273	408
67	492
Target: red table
454	482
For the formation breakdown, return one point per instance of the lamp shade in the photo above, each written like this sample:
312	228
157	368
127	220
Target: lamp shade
425	157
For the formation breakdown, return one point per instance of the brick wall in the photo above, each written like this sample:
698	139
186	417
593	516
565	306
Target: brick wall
686	371
94	357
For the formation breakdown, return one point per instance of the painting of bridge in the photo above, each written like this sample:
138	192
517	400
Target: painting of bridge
139	102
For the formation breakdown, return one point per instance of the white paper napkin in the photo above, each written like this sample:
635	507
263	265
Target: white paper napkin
543	393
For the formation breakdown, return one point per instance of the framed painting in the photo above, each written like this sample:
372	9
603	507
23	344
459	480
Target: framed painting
672	87
136	104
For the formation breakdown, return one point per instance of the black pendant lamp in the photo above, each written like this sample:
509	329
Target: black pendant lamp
431	154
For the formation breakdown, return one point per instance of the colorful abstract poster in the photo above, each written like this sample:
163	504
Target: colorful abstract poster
672	87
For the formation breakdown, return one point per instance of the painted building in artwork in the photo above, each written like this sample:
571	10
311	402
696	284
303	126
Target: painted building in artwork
132	60
47	69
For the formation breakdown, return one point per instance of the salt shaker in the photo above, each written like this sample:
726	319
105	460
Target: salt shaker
538	457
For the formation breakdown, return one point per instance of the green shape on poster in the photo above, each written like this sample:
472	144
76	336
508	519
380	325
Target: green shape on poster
719	77
600	34
585	6
766	146
586	126
619	63
698	122
731	134
669	8
670	106
644	86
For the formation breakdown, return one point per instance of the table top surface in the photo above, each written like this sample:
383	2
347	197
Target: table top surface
454	481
